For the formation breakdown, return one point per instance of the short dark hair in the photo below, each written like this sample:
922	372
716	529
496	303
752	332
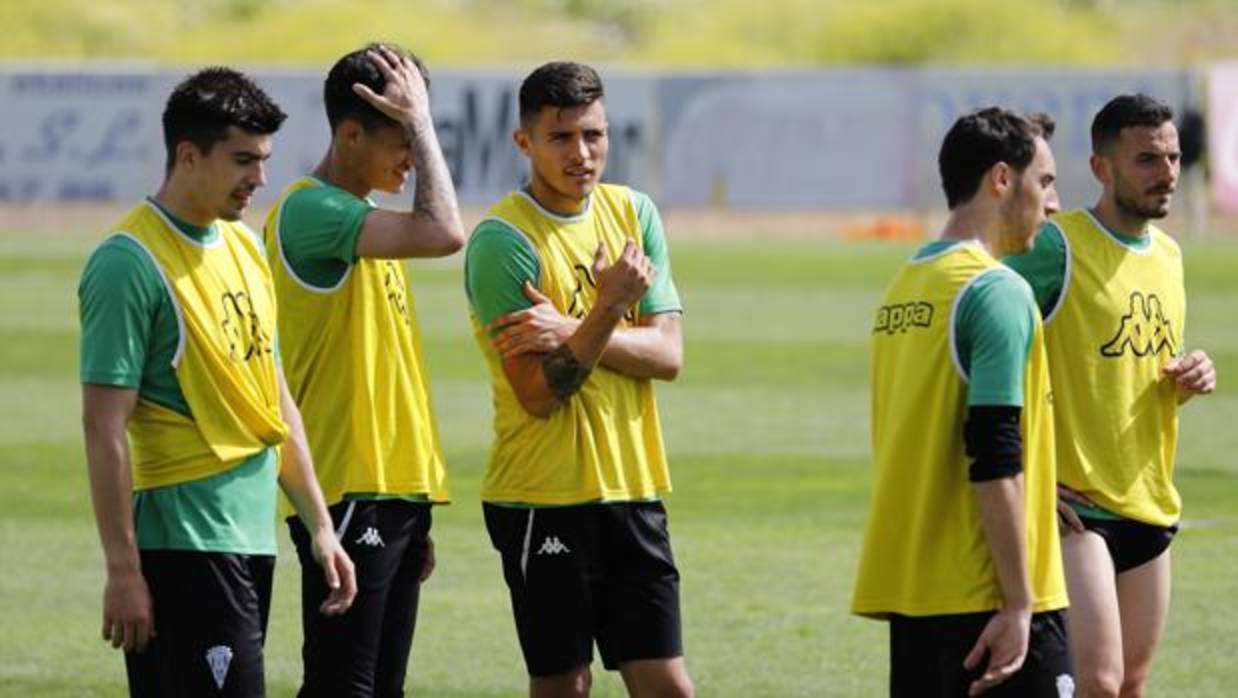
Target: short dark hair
205	104
980	140
356	67
561	84
1125	111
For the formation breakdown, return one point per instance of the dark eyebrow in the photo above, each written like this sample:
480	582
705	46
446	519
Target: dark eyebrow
249	155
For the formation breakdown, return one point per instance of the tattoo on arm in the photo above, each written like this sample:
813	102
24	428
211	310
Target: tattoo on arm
434	195
564	372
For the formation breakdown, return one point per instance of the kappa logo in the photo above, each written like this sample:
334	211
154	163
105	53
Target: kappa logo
397	295
371	538
1065	686
552	546
1144	331
901	317
578	307
219	658
243	331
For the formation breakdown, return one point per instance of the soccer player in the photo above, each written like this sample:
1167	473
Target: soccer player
1110	285
179	349
961	553
352	349
576	312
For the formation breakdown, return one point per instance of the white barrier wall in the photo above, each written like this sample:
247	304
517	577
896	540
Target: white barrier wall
847	138
1223	135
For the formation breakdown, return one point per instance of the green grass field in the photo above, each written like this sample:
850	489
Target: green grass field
767	431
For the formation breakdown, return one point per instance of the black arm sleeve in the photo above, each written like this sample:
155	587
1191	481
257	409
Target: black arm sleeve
994	442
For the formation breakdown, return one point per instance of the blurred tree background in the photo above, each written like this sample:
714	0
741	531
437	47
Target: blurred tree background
656	33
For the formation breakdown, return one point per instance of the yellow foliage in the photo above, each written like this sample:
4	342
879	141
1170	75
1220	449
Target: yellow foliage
685	33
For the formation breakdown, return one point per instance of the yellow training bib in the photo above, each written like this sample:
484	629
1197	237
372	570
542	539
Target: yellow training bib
925	552
225	310
1119	320
605	442
352	357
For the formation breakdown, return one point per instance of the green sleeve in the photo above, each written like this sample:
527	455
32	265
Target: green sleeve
1044	266
118	297
318	232
993	329
497	262
662	297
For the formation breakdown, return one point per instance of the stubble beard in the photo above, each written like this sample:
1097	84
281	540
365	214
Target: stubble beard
1132	207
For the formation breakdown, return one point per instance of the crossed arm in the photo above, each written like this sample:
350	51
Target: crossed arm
547	356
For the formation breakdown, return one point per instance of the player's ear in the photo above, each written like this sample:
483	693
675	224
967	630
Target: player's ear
349	131
1100	167
521	139
1000	178
187	154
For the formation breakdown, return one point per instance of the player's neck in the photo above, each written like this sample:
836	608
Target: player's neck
970	222
335	171
552	201
1118	220
175	198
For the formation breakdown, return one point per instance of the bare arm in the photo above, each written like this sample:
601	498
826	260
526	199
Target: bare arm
654	349
542	381
433	227
128	616
296	477
1005	637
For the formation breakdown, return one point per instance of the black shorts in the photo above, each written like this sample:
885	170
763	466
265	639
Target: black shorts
927	653
600	572
1130	543
211	614
365	651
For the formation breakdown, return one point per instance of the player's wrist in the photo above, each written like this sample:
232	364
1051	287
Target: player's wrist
124	567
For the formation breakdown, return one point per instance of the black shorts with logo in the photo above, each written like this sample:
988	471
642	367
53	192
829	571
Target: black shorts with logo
210	614
365	651
927	653
1130	543
577	574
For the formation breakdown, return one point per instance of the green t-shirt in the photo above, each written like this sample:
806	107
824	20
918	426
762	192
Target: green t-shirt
1044	266
129	337
509	261
993	331
318	232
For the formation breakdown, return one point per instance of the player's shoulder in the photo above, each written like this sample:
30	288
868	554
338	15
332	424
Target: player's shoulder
495	237
119	252
120	262
642	201
1002	287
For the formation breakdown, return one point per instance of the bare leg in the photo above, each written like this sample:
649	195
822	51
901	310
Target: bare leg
574	684
657	678
1093	617
1143	596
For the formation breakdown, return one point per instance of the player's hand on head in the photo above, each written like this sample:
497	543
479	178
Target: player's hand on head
624	282
1194	374
338	571
128	613
404	96
1004	641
